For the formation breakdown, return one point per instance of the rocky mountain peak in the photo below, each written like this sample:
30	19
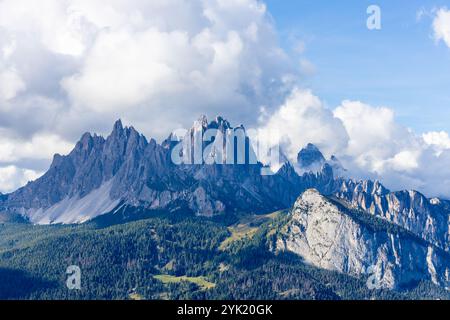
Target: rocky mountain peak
123	140
87	142
328	234
118	127
287	170
120	131
309	156
310	194
220	123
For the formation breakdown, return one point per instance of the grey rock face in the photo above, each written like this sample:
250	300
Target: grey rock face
428	219
327	235
311	159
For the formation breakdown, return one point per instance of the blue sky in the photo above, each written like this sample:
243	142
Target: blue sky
400	66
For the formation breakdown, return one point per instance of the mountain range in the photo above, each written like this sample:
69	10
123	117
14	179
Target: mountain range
354	227
99	175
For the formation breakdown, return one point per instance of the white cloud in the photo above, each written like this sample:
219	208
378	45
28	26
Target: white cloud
303	119
438	140
134	59
21	159
441	26
374	135
39	147
221	55
380	148
12	177
145	58
58	26
10	84
406	161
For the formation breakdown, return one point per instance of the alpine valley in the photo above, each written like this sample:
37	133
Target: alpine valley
141	227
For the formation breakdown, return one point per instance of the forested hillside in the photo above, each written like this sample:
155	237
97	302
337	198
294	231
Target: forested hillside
170	257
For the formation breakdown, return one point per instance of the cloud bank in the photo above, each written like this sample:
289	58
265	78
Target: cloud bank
441	26
72	66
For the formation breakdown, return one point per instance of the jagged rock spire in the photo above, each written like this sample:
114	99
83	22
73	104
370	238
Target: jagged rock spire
309	156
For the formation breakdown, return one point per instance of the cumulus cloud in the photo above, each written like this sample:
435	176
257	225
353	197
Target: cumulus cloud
441	26
375	137
23	160
380	148
10	84
438	140
39	147
12	177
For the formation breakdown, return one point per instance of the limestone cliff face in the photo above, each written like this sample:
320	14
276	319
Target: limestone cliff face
329	235
427	218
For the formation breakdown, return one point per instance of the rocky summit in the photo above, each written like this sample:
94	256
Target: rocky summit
309	156
328	234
